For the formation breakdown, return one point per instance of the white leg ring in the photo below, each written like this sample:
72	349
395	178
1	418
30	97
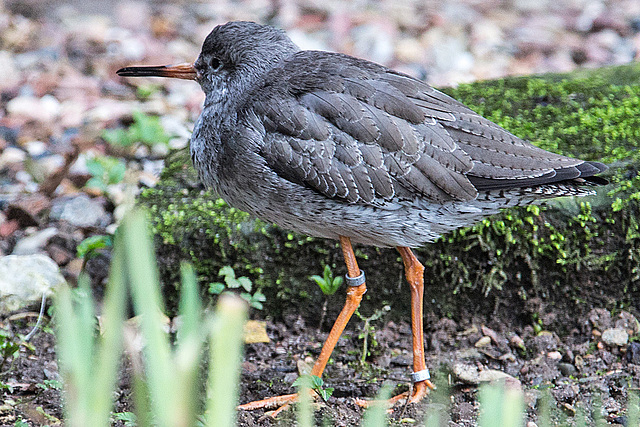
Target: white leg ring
423	375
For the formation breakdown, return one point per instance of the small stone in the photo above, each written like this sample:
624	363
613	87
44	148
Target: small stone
80	211
11	155
34	243
633	353
554	355
466	373
27	209
8	227
517	343
8	70
568	408
567	369
44	110
24	278
483	342
615	337
493	375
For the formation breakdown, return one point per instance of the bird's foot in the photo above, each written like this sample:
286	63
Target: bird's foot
420	390
280	403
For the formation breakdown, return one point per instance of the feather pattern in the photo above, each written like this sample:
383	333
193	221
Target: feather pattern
361	133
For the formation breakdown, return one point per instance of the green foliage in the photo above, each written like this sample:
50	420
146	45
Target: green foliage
369	331
9	347
255	300
88	248
328	284
105	171
314	383
145	91
145	129
129	419
49	385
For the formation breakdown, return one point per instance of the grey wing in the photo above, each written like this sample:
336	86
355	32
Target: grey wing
375	135
365	143
500	159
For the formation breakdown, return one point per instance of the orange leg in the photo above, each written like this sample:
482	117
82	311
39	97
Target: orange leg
414	271
354	296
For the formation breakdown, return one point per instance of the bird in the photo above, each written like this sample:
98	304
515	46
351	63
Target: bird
337	147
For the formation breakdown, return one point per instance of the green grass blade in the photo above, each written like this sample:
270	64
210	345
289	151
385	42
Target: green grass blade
188	348
190	307
226	358
633	408
544	408
145	289
109	352
69	355
305	410
376	414
500	406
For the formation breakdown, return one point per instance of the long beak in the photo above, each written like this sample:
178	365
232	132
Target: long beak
180	71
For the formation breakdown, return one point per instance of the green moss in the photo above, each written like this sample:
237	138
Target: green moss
562	254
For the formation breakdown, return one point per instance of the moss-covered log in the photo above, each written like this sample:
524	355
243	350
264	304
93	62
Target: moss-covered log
571	254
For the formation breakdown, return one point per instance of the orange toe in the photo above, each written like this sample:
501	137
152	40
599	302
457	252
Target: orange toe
279	402
420	391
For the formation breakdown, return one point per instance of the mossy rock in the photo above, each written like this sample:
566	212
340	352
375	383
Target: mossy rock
565	257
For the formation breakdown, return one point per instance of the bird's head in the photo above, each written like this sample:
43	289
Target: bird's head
233	56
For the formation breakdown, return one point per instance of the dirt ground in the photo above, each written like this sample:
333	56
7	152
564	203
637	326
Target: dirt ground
59	93
575	372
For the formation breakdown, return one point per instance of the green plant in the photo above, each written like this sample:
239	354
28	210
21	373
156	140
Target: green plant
328	284
368	330
165	385
9	347
233	282
145	129
315	383
49	385
89	247
129	419
105	171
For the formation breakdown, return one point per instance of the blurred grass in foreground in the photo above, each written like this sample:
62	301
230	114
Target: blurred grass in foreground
167	373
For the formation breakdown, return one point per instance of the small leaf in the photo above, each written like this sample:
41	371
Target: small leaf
216	288
227	271
245	283
316	382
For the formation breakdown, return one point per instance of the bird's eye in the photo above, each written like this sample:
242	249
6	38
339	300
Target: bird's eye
215	64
